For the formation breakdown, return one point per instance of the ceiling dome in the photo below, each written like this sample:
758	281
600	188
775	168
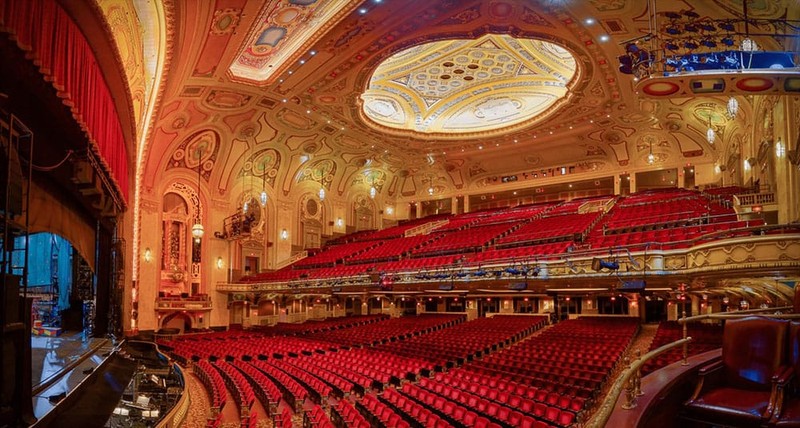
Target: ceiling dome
468	86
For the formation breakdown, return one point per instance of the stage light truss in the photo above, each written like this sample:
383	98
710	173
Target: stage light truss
686	42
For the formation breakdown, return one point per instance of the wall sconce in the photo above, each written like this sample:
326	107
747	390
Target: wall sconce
780	149
148	255
748	163
339	222
389	210
220	264
284	234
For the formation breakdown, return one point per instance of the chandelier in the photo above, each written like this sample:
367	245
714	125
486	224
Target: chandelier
372	192
321	194
650	157
710	134
732	107
197	229
263	196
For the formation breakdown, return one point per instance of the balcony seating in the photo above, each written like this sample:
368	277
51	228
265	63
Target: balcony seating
548	229
705	337
742	387
465	240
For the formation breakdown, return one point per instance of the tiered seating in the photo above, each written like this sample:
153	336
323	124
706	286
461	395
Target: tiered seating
417	412
554	228
393	249
416	264
317	418
215	387
239	345
519	253
341	384
586	353
380	414
705	337
315	326
464	385
293	392
387	330
319	388
464	341
465	240
250	421
673	208
265	389
335	253
242	392
347	415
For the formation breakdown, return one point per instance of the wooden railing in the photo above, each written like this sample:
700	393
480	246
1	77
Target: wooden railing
296	257
183	303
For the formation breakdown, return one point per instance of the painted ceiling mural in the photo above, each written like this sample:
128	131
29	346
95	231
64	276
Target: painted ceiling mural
468	85
339	82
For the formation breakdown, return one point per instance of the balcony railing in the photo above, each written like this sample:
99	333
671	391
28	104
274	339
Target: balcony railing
754	199
183	303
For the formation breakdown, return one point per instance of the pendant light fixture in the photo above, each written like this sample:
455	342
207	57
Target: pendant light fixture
197	229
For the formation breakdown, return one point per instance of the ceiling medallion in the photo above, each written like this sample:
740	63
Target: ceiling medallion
468	85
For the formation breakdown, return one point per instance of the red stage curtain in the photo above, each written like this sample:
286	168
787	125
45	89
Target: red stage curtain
58	48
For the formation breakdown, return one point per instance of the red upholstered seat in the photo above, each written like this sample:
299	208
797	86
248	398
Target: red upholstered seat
787	413
741	387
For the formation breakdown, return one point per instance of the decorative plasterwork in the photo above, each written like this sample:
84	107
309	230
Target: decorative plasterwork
283	28
468	86
203	144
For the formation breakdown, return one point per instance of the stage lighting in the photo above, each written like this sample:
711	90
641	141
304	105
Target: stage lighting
709	43
671	46
600	264
672	15
691	14
690	45
631	48
727	41
674	31
708	27
691	28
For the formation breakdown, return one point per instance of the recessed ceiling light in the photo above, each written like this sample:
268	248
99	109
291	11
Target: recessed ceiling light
362	11
284	100
604	38
480	147
312	53
308	111
290	71
589	21
302	61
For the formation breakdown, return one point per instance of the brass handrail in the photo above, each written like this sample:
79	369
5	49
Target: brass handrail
735	314
630	380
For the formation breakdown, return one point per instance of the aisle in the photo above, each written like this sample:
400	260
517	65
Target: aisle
198	413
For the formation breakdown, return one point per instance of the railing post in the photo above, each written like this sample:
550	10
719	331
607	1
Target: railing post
630	393
685	361
637	377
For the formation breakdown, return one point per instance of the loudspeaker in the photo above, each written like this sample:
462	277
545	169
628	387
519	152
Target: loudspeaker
599	264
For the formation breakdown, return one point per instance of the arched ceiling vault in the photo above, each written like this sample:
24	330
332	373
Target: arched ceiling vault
311	107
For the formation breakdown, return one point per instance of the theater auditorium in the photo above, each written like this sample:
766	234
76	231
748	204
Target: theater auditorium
400	213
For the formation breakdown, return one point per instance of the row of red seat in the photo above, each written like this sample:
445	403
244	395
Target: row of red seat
284	419
465	240
294	393
317	386
416	411
317	418
334	253
562	227
393	249
314	326
213	382
265	389
346	415
705	337
242	391
380	413
389	329
515	395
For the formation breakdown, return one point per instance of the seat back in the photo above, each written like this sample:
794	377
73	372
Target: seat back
753	350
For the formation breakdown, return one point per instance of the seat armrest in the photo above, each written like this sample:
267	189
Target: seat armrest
708	374
780	382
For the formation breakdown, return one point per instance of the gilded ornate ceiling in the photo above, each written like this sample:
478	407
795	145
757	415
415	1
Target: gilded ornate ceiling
468	85
341	90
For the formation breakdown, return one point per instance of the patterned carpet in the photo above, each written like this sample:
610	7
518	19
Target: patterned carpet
199	405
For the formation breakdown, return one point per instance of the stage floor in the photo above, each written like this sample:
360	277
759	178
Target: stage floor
58	365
